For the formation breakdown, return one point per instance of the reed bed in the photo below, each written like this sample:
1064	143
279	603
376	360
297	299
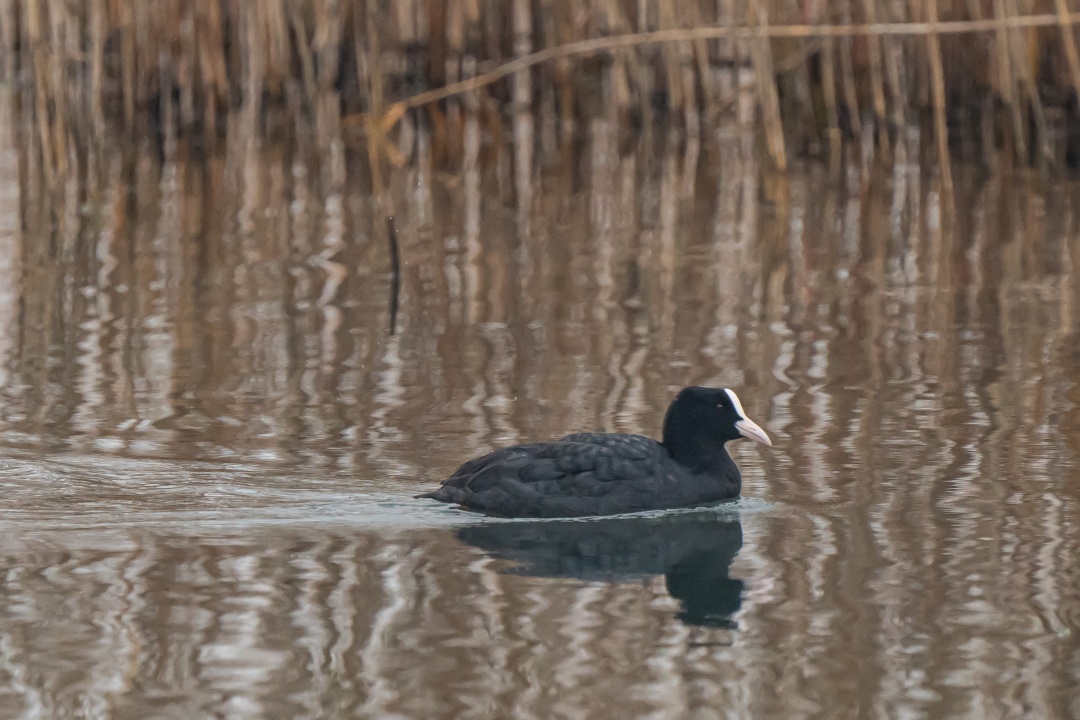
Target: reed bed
983	78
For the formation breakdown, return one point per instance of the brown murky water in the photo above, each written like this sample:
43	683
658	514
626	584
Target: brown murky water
211	439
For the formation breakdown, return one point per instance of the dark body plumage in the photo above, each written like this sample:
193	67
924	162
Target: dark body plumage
610	473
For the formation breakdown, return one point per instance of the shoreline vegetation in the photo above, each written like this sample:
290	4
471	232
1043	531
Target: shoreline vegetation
990	81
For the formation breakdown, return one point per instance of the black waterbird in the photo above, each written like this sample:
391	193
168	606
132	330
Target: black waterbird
611	473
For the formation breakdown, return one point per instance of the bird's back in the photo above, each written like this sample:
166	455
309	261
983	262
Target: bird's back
581	474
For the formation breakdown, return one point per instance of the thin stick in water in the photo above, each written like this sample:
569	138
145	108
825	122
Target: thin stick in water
395	271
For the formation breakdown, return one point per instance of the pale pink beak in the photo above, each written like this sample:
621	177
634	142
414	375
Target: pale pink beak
751	431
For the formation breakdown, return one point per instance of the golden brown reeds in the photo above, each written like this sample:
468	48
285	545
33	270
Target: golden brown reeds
1004	70
940	130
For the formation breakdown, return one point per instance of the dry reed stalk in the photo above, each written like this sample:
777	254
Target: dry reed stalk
986	112
59	39
521	22
1028	86
423	40
608	44
1068	39
328	38
726	53
36	41
941	130
189	51
770	102
705	76
455	38
612	22
329	34
832	108
406	21
1007	77
97	63
847	75
8	34
551	87
305	54
564	68
210	51
401	45
488	27
893	52
274	30
680	93
649	79
794	67
217	65
436	43
124	23
877	83
447	133
374	129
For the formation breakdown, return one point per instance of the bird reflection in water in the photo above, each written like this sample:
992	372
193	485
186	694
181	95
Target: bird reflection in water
693	550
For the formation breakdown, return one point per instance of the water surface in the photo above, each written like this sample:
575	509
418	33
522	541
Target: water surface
211	438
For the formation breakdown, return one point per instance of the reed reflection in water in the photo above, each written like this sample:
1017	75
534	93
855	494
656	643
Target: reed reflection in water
326	623
211	437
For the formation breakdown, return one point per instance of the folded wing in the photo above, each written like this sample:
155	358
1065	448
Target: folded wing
579	474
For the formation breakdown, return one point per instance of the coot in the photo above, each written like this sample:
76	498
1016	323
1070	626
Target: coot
610	473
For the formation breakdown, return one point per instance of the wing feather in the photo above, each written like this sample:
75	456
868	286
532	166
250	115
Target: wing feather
576	472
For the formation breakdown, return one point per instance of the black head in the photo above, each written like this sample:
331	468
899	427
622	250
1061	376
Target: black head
700	420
